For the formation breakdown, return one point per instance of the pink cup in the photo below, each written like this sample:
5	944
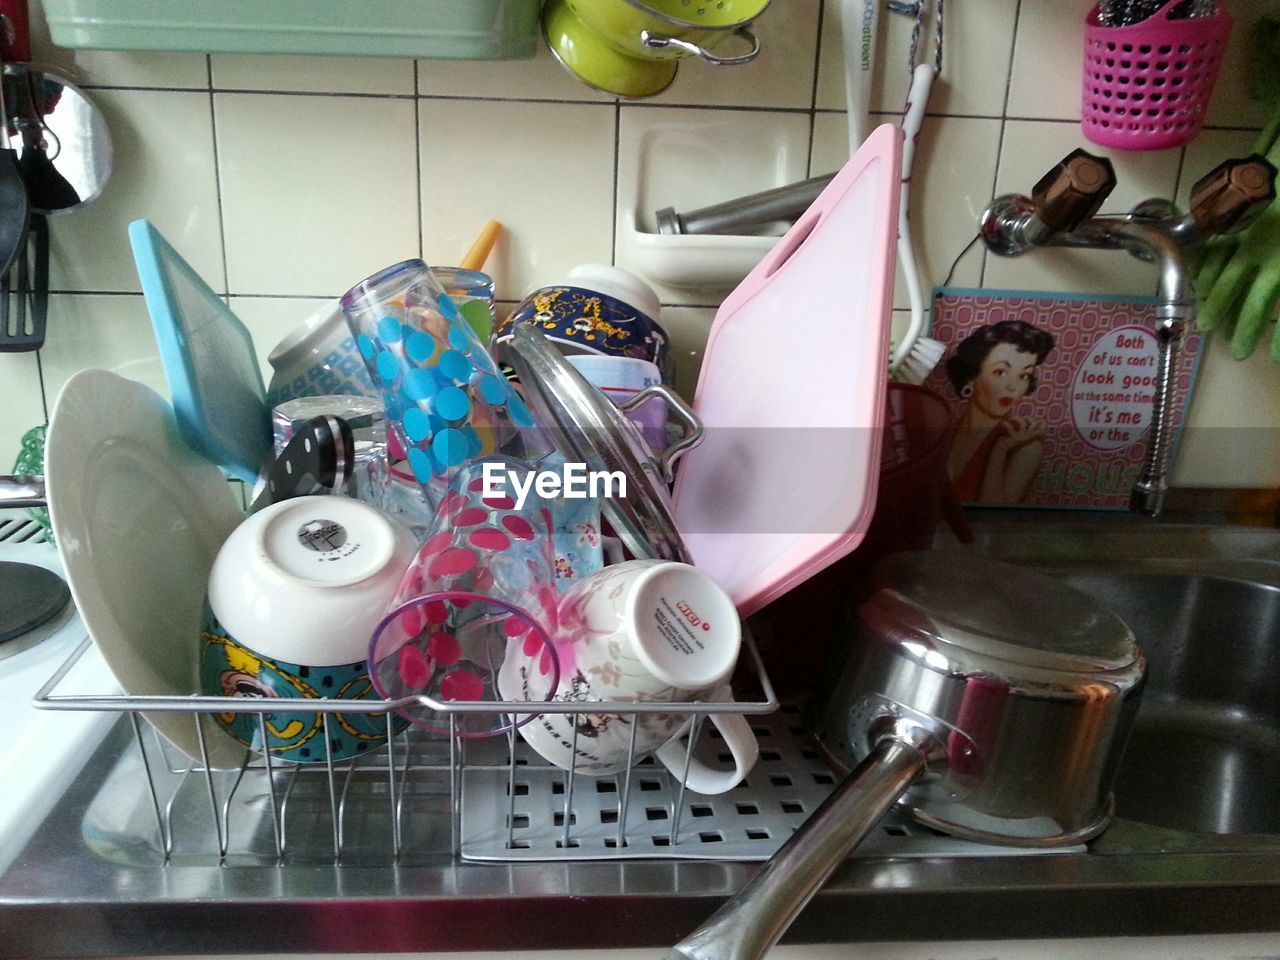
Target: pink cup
481	586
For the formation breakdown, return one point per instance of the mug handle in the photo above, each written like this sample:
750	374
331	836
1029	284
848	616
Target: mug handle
658	41
700	778
612	547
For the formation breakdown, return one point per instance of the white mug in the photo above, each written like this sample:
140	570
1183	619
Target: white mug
642	631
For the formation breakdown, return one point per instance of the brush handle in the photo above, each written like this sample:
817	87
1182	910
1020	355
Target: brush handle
479	252
913	119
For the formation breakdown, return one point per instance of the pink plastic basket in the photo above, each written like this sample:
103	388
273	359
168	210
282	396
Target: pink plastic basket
1147	86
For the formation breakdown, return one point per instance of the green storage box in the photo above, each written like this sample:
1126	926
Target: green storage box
443	29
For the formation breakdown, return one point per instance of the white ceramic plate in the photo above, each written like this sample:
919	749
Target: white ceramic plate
138	518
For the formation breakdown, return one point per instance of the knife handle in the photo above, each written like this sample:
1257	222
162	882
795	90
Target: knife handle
318	458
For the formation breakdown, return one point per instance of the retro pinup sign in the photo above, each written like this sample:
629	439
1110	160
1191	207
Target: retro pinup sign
1051	394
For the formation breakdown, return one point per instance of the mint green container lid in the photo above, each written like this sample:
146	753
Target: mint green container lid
431	29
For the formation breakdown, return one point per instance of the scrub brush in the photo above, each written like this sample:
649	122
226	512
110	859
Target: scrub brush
475	257
914	357
859	25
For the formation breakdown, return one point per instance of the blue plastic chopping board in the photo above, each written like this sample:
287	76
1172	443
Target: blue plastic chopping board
208	356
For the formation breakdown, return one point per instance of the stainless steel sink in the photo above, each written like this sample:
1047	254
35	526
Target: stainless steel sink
1204	755
1195	847
1204	603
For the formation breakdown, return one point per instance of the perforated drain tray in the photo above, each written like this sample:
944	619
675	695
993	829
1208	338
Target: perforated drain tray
550	819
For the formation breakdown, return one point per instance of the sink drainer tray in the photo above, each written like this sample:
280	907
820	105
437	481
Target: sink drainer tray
489	800
547	817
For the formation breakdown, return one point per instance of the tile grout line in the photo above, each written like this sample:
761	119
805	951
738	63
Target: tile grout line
417	157
217	180
813	93
1004	120
617	163
737	108
1177	177
44	396
68	292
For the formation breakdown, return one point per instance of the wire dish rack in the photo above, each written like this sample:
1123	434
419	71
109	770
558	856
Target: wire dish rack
425	799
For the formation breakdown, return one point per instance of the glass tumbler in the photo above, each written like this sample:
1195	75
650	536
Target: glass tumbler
368	428
482	585
445	399
472	293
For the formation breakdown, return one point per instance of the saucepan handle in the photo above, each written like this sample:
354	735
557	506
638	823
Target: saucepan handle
678	410
749	924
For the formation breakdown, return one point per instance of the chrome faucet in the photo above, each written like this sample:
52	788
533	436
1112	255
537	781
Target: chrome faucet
1062	212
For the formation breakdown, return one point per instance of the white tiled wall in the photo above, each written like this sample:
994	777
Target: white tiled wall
285	180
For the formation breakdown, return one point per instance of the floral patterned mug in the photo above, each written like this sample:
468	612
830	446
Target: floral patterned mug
642	631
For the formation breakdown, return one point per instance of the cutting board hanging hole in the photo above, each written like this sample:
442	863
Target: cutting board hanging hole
794	241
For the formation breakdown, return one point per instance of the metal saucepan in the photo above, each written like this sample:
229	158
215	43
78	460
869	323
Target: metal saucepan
983	700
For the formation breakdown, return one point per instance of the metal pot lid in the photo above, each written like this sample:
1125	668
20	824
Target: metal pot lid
586	427
981	606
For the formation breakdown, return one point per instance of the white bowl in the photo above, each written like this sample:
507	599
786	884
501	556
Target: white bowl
619	284
317	358
307	580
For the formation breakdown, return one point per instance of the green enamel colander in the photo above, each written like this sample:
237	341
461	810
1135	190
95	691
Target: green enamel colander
631	49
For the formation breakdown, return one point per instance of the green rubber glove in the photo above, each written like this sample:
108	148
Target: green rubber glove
1247	287
1237	276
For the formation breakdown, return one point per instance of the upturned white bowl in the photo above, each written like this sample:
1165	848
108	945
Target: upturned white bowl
306	580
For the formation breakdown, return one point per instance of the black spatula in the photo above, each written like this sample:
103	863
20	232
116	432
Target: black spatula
24	292
15	208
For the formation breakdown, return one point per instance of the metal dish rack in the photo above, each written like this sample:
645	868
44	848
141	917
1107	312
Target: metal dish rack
375	806
423	800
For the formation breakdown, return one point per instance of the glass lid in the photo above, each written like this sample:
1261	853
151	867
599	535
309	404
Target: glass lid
587	428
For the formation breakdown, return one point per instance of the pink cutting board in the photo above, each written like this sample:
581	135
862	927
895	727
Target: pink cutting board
792	390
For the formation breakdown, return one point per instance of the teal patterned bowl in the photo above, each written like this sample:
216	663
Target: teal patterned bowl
230	669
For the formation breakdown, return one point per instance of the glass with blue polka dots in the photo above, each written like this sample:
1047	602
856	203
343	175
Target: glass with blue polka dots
446	401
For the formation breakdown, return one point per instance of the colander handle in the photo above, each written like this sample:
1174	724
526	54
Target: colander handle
657	41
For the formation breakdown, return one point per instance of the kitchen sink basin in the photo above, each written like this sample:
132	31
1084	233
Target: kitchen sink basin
1204	754
1204	603
1194	847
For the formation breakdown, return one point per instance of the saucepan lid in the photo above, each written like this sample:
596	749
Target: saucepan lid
969	604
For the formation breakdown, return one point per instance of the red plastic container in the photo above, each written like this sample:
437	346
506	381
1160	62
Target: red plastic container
1147	86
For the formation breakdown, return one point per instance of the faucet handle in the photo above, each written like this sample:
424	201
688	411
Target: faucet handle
1233	193
1073	191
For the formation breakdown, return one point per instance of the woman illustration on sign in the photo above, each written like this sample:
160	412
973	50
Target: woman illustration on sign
995	453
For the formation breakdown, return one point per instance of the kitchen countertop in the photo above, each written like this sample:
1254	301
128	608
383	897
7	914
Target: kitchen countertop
59	896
